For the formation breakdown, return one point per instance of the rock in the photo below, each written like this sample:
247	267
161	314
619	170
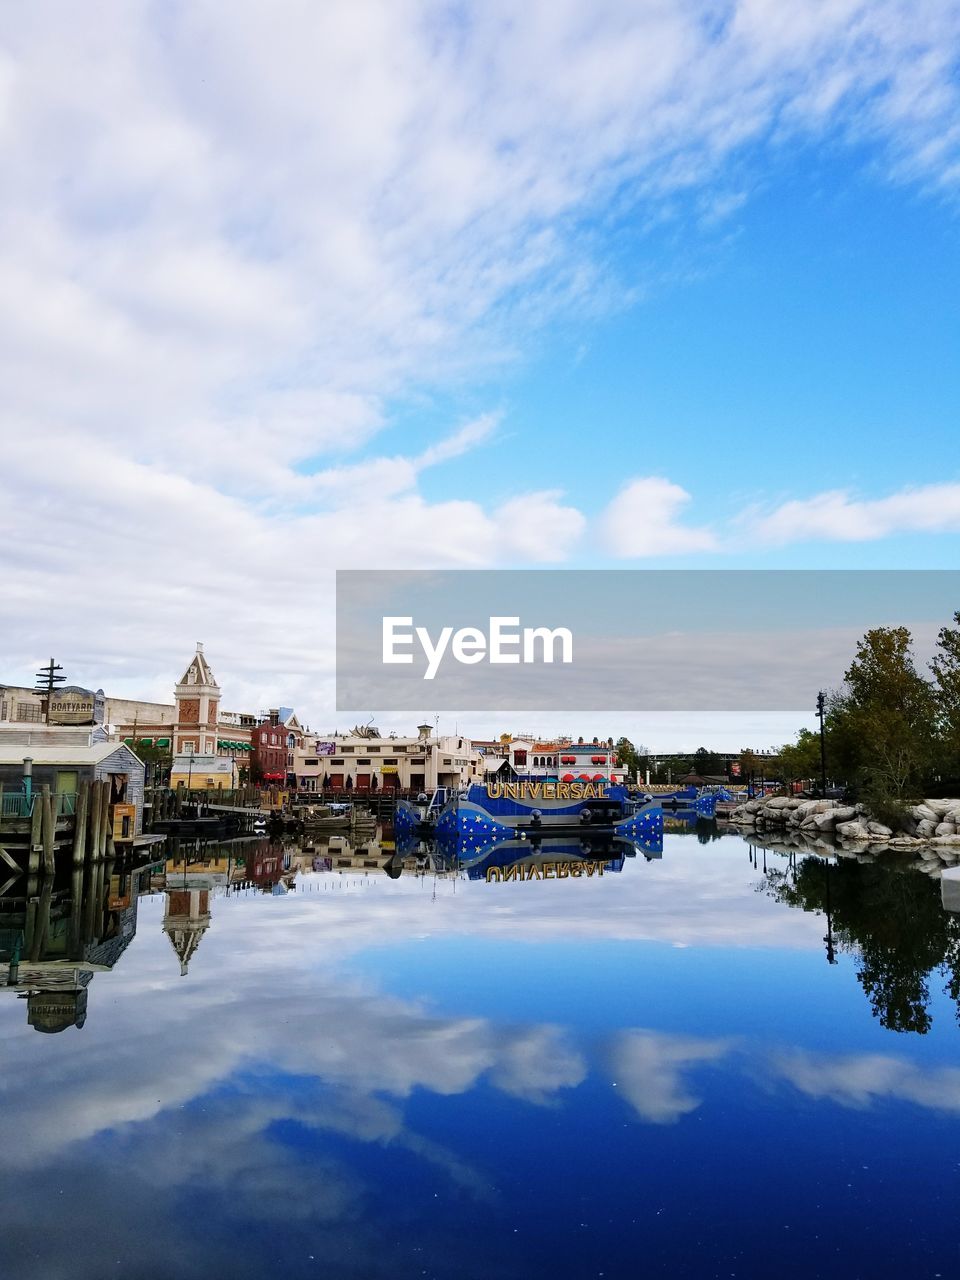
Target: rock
926	828
808	807
945	829
781	802
923	813
940	807
852	830
878	829
950	889
949	841
825	821
845	812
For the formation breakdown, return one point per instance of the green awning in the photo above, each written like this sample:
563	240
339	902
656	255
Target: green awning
163	742
128	741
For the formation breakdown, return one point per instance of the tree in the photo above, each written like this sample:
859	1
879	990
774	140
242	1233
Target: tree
628	757
882	724
706	762
157	762
946	673
800	760
750	763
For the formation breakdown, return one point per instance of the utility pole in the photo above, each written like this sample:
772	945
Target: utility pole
822	712
47	681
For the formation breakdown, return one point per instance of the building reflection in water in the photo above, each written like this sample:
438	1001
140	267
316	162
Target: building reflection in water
61	931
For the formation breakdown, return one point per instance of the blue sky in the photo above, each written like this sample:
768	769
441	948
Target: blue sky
406	285
811	344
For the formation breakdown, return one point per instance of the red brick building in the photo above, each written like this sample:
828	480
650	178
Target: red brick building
269	741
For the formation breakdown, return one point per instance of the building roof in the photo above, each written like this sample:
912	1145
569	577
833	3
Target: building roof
198	671
62	753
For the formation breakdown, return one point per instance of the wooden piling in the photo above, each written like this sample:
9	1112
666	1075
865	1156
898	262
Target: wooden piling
80	824
104	818
89	888
43	916
48	824
94	831
36	818
31	938
76	909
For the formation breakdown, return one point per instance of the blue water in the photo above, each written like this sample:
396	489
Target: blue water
656	1072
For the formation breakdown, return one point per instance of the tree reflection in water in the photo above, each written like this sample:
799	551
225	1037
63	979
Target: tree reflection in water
892	920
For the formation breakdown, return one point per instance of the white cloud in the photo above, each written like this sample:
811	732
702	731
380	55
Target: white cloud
644	520
838	516
649	1069
229	242
860	1080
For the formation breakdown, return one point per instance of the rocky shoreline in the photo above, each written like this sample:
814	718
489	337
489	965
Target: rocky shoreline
930	829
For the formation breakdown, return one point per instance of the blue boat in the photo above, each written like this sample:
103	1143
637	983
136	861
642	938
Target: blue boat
489	812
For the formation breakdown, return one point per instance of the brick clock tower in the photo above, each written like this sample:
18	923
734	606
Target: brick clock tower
198	702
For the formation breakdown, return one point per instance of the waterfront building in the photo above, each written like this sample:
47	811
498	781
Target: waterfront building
195	715
270	749
357	762
24	769
275	741
204	772
558	759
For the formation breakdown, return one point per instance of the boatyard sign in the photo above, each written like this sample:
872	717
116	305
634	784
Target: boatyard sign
634	640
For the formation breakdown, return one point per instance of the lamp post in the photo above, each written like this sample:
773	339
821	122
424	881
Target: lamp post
821	713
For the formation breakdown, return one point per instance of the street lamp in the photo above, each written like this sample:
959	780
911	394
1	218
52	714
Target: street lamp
821	713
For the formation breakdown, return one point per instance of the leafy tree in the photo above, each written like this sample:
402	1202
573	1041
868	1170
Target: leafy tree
801	759
882	724
946	674
705	762
630	756
750	763
157	762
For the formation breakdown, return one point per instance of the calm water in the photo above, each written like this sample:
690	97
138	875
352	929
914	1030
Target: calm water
656	1071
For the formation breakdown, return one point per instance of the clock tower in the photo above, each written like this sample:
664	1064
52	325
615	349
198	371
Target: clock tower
198	703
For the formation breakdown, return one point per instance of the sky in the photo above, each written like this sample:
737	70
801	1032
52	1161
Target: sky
293	288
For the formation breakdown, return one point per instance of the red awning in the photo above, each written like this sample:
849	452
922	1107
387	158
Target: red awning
567	777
